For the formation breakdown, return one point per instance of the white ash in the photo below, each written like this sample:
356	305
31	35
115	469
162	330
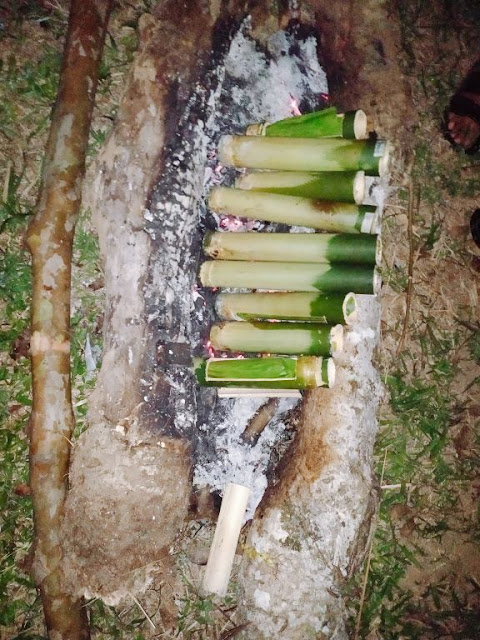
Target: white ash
265	93
234	460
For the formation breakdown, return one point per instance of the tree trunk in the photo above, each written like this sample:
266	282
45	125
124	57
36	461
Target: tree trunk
50	238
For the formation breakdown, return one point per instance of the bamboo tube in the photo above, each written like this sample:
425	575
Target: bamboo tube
290	276
246	392
225	539
289	338
337	217
336	186
292	247
304	372
319	124
311	307
304	154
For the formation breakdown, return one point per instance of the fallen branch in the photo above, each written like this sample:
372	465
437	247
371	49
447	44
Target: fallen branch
259	421
49	239
413	205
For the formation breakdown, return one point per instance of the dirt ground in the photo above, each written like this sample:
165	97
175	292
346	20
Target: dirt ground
423	573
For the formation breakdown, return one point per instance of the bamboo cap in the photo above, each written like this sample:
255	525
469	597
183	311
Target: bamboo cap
359	187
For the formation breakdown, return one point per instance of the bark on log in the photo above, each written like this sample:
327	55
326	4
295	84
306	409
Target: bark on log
49	239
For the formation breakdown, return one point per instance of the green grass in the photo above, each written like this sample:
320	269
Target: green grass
28	86
415	452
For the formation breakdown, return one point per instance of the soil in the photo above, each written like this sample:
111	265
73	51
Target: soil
373	58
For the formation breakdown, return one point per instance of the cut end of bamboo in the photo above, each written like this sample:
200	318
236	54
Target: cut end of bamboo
257	129
225	539
225	150
331	372
360	125
205	273
369	222
384	162
355	125
216	332
349	308
379	251
377	282
215	200
336	338
359	187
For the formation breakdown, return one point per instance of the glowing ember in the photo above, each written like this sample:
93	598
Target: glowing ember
230	223
210	349
294	106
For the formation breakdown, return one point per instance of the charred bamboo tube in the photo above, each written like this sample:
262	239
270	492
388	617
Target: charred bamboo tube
319	124
304	372
259	421
289	338
304	154
225	539
294	247
290	276
333	308
337	217
336	186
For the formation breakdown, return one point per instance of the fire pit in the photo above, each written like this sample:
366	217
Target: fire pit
151	425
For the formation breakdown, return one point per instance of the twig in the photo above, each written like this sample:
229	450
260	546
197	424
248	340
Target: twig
6	183
259	421
408	299
137	602
367	568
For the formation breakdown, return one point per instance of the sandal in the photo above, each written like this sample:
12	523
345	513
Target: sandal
465	103
475	226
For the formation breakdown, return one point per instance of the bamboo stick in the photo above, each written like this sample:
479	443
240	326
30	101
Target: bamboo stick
336	217
292	247
336	186
304	154
290	276
332	308
319	124
246	392
225	539
267	373
289	338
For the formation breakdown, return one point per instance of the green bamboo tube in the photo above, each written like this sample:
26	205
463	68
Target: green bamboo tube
317	214
333	308
336	186
304	154
289	338
305	372
293	247
290	276
319	124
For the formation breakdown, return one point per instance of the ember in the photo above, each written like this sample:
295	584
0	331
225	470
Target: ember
294	106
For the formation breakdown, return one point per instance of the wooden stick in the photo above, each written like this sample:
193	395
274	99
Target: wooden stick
259	421
245	392
49	239
413	203
225	539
